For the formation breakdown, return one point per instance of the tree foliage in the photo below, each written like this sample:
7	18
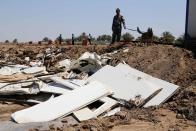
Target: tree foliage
127	37
167	38
7	41
104	38
179	41
155	38
15	41
45	39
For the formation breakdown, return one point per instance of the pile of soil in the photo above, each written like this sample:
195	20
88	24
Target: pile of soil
173	64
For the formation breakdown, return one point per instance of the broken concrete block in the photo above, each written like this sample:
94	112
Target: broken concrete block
88	55
36	63
125	50
65	63
27	59
88	62
87	65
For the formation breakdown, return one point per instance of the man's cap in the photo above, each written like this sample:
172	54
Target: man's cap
117	10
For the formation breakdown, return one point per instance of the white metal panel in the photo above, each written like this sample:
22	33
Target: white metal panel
8	89
34	70
66	83
62	105
9	70
86	113
168	89
124	85
112	112
54	88
192	18
57	88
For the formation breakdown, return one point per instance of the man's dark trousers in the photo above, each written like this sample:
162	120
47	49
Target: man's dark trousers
116	35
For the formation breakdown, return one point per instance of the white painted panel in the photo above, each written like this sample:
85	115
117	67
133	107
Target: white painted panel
34	70
54	88
192	18
133	72
8	89
124	85
62	105
61	89
112	112
108	103
77	82
86	113
9	70
66	83
168	89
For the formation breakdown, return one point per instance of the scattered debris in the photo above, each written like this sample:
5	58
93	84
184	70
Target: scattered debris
91	86
87	113
62	105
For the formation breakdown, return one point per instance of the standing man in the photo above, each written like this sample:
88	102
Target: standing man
118	20
60	39
73	39
89	39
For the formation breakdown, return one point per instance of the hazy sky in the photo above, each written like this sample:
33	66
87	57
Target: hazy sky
34	19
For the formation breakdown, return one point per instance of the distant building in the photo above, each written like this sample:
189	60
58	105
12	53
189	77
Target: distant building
190	29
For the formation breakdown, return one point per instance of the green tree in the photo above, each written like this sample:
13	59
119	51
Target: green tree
179	41
155	38
45	39
167	38
15	41
7	41
104	38
127	37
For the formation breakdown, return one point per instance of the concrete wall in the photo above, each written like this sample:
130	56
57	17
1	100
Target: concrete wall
191	19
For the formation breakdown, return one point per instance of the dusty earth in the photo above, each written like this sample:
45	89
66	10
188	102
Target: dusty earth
173	64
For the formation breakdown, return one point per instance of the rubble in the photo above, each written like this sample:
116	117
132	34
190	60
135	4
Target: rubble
126	83
62	105
70	81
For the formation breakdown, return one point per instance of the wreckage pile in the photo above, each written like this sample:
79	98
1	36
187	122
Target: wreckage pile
86	88
89	87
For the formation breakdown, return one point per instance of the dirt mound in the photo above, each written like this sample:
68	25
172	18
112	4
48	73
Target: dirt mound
169	63
146	119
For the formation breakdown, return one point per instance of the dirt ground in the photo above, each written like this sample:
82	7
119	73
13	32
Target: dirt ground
7	108
173	64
